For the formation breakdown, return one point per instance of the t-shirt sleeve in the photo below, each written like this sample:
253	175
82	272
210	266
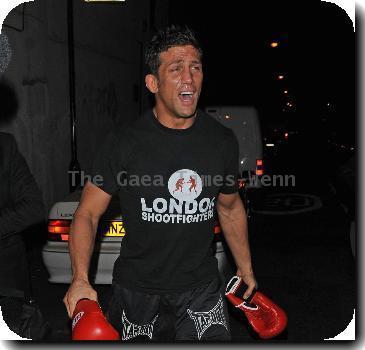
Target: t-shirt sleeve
107	167
230	181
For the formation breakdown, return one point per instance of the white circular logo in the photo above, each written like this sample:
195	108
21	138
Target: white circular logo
185	185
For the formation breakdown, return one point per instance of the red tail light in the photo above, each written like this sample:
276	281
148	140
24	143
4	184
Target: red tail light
241	183
217	228
217	231
259	167
58	230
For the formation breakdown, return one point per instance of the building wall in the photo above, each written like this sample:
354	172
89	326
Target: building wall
109	39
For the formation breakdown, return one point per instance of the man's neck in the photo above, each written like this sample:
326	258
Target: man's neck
173	122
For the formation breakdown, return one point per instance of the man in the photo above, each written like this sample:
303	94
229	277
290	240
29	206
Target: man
166	281
21	206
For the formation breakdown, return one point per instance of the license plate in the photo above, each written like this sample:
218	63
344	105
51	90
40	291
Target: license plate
114	229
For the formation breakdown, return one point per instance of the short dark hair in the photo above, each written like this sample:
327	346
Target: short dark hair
171	36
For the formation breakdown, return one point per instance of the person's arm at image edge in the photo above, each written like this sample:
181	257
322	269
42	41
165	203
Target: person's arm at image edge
26	207
233	221
93	204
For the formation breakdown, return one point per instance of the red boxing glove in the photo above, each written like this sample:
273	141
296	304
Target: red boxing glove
266	318
89	322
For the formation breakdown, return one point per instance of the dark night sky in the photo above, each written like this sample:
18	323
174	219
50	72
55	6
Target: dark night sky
316	53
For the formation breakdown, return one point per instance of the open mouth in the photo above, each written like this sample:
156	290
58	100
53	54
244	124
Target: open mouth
186	96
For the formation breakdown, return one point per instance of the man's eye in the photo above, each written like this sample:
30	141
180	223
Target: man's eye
197	68
174	69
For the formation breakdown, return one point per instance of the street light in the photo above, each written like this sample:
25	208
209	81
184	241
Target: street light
274	44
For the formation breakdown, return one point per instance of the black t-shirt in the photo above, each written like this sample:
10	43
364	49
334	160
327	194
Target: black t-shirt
168	181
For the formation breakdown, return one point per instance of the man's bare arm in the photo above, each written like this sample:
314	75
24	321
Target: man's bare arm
232	218
93	204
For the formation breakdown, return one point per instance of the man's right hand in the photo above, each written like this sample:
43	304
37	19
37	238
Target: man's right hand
79	289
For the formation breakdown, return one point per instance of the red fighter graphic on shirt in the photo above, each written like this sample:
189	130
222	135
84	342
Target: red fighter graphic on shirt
183	207
179	184
192	181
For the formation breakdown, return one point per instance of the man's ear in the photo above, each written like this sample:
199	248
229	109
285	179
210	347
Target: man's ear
151	83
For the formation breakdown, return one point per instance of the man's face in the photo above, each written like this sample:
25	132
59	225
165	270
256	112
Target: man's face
179	81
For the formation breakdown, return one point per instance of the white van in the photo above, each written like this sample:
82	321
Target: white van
244	121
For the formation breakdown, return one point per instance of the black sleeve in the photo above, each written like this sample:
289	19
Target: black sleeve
26	199
230	181
107	168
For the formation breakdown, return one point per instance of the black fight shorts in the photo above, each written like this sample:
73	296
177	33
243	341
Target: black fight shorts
197	314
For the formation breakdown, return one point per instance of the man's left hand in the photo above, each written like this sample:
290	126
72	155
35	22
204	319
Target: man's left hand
250	280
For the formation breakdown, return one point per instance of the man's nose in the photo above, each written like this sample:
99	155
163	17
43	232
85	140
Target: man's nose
187	76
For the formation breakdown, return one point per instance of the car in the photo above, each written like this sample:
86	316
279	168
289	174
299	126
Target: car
110	234
244	122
